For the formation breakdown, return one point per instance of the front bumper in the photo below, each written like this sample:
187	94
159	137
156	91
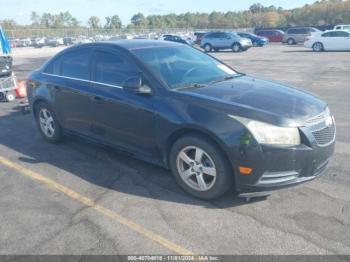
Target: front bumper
246	46
275	167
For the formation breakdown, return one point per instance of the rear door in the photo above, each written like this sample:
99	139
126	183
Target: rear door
69	77
226	40
328	42
342	40
120	117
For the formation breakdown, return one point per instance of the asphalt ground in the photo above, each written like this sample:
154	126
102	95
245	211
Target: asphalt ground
80	198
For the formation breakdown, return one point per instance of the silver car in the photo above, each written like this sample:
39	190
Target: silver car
223	40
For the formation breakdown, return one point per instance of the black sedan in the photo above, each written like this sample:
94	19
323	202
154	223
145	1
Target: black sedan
177	107
176	39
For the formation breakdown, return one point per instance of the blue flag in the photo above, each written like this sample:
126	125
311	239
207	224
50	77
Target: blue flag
5	46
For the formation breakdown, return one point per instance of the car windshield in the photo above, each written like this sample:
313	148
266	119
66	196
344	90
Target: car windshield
181	66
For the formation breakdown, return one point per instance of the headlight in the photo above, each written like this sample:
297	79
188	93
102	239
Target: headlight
270	134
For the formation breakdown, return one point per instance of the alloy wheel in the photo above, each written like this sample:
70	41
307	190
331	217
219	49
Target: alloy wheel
196	168
318	47
47	123
207	48
236	48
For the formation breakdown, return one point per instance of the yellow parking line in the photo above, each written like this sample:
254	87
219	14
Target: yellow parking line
91	203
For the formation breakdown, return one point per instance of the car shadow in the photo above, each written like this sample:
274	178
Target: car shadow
100	165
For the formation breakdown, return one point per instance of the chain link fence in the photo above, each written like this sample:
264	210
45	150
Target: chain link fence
123	33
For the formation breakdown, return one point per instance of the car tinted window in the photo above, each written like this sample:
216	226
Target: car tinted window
292	31
340	34
54	67
76	64
113	68
329	34
216	35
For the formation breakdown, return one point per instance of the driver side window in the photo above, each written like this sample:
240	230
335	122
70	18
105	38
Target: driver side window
112	68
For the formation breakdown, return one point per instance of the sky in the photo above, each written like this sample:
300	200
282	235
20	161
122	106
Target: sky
20	10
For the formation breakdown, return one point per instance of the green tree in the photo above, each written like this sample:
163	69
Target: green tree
94	22
139	20
113	22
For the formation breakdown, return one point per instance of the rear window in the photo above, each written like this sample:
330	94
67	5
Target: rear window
298	31
336	34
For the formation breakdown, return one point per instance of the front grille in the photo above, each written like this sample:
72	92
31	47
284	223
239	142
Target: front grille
325	135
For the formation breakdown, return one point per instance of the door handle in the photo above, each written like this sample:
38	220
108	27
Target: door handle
97	99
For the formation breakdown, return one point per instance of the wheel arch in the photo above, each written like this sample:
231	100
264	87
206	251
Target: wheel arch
186	131
37	101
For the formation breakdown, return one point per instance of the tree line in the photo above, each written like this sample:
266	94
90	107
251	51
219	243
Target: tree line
319	13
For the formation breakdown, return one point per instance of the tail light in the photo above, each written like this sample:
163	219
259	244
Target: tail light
21	90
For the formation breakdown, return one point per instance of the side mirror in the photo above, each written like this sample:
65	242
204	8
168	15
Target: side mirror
134	85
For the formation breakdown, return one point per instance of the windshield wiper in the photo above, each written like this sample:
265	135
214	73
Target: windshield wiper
192	85
226	78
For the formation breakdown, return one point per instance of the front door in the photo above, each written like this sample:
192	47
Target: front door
120	117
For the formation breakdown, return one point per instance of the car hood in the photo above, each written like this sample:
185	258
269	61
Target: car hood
261	97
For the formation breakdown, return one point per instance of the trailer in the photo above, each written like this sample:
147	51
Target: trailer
8	86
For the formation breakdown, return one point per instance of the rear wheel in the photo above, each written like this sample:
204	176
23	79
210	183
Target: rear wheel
2	96
318	47
291	41
47	122
200	167
207	48
236	47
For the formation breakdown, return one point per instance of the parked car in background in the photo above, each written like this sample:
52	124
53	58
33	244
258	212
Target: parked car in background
256	40
297	35
174	106
55	42
332	40
68	41
271	34
222	40
40	42
342	27
177	39
199	36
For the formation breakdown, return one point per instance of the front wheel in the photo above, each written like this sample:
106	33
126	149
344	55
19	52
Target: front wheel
318	47
48	124
236	47
200	167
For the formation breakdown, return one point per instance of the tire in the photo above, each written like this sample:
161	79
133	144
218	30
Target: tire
213	161
50	130
317	47
291	41
207	48
236	47
10	96
255	44
2	96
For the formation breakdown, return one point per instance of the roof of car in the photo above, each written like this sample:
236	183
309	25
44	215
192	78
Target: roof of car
133	44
